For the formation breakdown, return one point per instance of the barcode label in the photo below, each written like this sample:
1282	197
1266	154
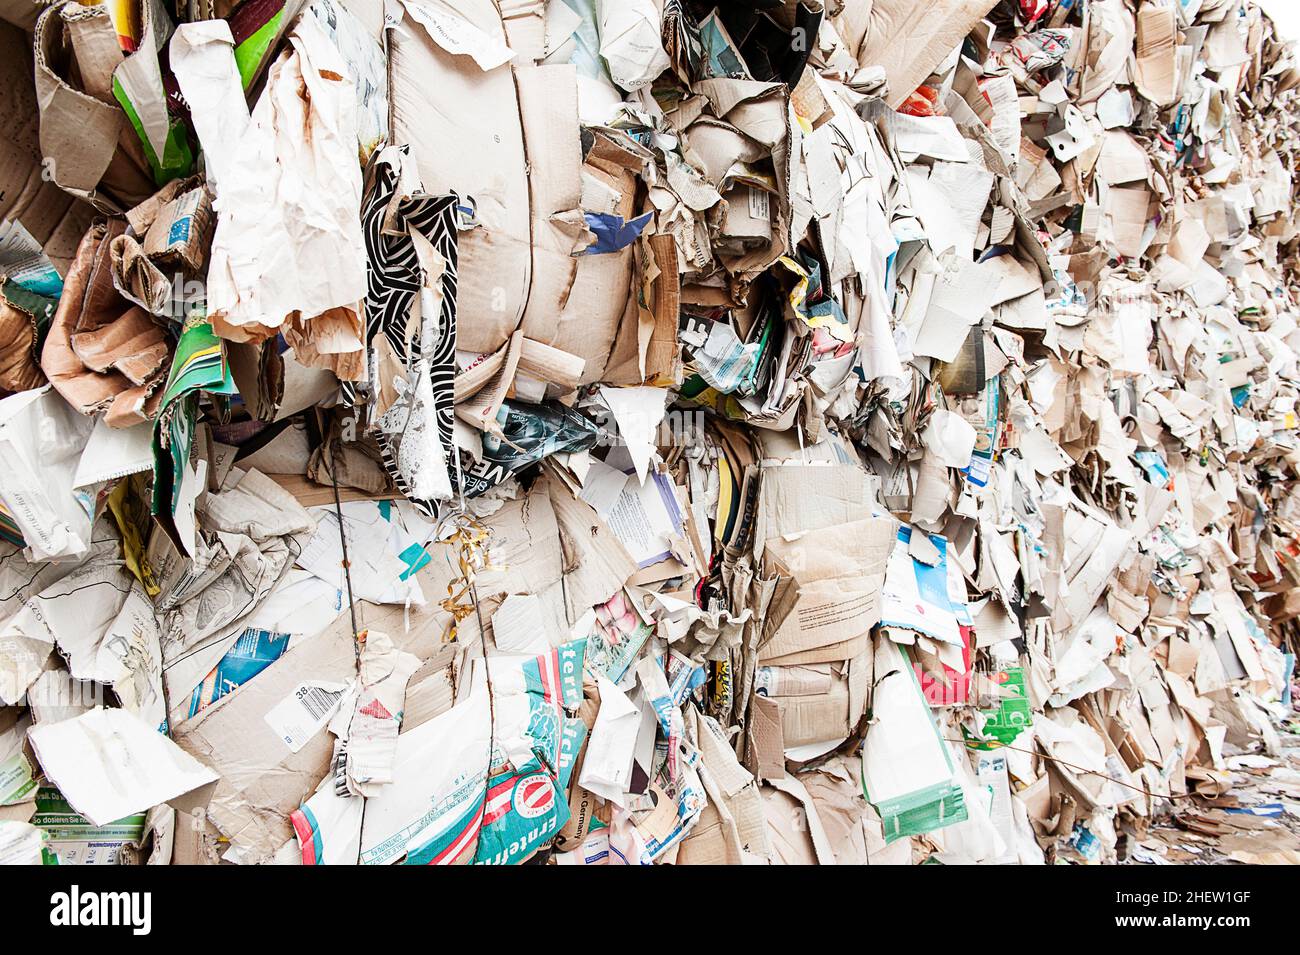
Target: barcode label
304	712
318	702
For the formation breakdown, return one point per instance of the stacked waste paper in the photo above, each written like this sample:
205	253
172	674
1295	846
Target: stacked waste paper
634	431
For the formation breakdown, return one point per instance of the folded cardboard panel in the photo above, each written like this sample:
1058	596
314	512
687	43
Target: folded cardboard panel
470	142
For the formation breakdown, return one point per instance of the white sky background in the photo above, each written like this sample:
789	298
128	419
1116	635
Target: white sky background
1286	14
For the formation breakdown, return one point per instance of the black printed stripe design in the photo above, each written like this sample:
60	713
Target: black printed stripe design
394	279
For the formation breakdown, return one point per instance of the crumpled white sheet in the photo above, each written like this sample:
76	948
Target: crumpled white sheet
288	245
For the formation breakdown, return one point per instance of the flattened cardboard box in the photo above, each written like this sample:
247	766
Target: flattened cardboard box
472	143
830	590
262	779
28	195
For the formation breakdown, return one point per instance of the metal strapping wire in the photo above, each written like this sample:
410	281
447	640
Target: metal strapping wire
347	564
352	605
474	546
469	538
1082	769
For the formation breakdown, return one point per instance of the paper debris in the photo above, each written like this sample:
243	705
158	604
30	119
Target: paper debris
604	432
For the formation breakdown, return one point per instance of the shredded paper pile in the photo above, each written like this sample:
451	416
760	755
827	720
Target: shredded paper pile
642	432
